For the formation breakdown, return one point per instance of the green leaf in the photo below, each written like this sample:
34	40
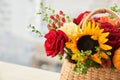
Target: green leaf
108	53
46	14
29	26
97	48
33	30
88	52
41	5
53	11
46	8
50	21
118	10
69	20
32	27
43	19
67	17
60	56
39	12
111	17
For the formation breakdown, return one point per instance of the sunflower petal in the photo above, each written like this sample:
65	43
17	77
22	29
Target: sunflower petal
101	30
105	34
96	58
87	29
93	25
77	57
102	40
103	55
94	37
105	47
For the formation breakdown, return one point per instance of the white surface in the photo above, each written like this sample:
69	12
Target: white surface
16	72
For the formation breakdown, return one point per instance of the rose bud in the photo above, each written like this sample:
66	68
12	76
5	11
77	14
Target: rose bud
57	16
49	27
61	12
61	23
52	17
63	20
55	20
53	25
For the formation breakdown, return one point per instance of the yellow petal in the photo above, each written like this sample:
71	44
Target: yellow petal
76	57
104	34
103	55
96	57
102	40
97	28
101	30
68	44
105	47
93	25
75	50
94	37
93	28
87	29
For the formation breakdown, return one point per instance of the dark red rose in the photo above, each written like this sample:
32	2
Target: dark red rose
96	19
55	42
106	63
79	18
114	36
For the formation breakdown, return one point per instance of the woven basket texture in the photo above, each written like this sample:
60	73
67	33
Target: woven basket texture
67	73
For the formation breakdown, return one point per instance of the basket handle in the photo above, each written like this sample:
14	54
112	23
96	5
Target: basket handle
101	10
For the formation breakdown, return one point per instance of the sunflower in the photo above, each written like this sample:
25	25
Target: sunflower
90	38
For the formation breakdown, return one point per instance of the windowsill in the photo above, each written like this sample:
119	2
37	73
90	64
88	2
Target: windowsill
10	71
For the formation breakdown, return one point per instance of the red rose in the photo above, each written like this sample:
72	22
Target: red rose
114	36
55	42
80	17
106	63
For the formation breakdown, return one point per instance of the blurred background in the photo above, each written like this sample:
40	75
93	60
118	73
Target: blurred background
19	45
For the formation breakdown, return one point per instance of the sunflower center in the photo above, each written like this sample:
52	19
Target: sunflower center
86	43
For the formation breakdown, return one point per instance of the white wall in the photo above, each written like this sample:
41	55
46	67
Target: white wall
16	40
74	7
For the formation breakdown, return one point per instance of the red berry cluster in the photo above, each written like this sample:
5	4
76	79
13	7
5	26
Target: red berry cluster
56	20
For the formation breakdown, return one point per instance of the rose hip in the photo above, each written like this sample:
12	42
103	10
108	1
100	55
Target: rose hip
61	12
61	23
63	20
56	20
57	16
52	17
53	25
49	27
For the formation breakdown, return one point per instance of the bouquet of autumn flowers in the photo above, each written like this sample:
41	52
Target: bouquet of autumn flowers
96	44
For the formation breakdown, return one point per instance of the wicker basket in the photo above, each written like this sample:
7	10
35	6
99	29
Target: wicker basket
93	73
67	73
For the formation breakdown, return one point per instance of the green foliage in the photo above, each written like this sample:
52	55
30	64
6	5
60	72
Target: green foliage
115	8
41	4
68	52
47	11
33	29
82	68
97	48
108	53
60	56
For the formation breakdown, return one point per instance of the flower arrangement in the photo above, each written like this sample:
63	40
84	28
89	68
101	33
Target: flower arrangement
96	44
